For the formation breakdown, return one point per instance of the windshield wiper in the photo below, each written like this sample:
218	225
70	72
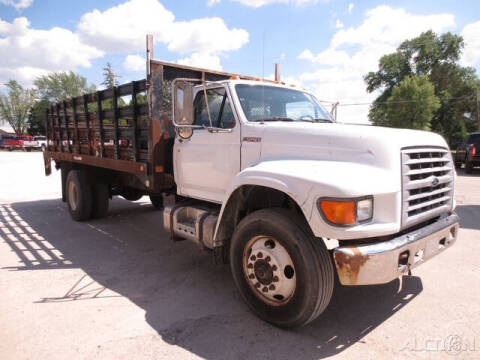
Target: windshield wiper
323	120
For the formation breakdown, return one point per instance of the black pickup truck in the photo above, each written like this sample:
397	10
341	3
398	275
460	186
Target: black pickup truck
468	152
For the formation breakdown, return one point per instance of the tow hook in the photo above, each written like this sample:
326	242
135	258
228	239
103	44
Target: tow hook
400	278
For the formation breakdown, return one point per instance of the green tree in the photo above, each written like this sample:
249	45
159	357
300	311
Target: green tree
15	106
109	77
412	104
435	57
59	86
37	118
55	87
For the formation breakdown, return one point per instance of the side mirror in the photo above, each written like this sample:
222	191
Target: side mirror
183	103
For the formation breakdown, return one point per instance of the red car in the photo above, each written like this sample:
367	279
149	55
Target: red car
12	142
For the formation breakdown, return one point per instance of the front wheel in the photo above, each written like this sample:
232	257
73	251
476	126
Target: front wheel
283	272
157	201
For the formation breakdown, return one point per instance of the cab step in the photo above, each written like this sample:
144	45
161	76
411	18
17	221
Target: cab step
191	222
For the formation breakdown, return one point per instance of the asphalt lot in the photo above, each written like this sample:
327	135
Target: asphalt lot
118	288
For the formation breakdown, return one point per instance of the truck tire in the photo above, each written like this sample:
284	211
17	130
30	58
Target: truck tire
79	195
157	201
284	274
132	194
468	166
100	200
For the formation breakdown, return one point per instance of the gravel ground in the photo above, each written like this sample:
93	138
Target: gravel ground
118	288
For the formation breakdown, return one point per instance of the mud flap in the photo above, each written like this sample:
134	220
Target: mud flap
48	164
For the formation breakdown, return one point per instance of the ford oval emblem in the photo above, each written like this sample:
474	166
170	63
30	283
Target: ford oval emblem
435	181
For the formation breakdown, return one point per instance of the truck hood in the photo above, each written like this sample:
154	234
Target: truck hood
370	145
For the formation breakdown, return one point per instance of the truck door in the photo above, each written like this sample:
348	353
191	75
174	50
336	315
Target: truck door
206	163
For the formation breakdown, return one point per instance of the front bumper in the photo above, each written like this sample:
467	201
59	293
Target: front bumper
385	261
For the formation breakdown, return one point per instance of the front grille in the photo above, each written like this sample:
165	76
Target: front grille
427	183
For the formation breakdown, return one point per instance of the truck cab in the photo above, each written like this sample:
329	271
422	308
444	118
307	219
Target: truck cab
378	201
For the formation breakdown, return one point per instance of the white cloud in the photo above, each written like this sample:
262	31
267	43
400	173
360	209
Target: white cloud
202	60
338	24
355	51
212	2
34	52
471	36
260	3
208	35
18	4
122	28
25	75
134	63
350	7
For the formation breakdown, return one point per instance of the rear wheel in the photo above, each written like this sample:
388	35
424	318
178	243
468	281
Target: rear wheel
283	272
157	201
100	197
79	195
468	166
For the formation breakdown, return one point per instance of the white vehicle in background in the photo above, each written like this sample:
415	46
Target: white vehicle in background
41	142
27	143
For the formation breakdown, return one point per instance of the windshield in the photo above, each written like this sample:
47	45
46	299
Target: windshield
272	103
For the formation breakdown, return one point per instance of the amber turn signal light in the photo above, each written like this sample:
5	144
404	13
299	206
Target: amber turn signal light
339	212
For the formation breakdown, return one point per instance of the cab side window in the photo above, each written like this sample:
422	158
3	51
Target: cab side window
220	109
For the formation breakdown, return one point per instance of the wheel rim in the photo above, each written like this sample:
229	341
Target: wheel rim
269	270
72	195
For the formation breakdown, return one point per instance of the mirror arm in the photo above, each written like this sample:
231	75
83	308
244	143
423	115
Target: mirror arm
206	103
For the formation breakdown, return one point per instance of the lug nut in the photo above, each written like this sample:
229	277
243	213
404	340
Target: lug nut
257	285
274	268
265	289
275	279
267	259
272	287
260	255
253	258
250	265
251	276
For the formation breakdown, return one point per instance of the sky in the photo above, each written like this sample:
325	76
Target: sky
325	46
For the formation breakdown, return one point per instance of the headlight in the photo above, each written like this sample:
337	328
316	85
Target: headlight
364	209
346	212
